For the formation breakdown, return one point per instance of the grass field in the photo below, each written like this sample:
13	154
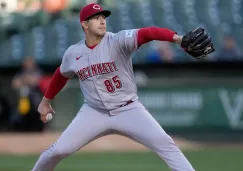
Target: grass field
210	159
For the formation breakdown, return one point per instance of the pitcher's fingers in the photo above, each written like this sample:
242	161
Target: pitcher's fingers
52	111
43	118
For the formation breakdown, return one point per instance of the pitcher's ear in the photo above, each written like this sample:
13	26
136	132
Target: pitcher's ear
84	25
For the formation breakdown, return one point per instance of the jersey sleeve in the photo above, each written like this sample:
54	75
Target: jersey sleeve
127	41
65	67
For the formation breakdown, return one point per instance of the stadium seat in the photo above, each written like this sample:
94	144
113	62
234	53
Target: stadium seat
124	15
186	14
157	12
75	30
144	9
208	13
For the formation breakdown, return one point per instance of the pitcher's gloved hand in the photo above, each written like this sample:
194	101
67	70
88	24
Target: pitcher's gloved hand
197	43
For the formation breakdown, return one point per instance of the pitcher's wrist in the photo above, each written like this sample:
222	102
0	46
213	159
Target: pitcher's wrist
46	100
177	39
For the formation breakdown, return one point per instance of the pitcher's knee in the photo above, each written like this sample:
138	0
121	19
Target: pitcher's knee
56	153
169	141
165	141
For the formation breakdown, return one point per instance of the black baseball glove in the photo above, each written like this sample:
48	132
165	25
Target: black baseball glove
197	43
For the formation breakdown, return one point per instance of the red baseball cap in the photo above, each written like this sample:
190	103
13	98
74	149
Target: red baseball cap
91	10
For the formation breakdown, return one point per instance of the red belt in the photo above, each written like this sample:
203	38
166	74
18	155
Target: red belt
127	103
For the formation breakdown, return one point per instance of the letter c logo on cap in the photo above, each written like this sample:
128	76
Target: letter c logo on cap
97	7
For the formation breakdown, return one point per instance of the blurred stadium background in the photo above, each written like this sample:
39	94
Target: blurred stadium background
198	102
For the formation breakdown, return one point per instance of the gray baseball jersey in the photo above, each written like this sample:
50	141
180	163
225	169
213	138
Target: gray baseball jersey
105	72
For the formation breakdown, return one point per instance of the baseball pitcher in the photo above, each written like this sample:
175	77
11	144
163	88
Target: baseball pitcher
102	62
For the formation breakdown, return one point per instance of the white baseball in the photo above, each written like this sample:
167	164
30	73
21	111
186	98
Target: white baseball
49	116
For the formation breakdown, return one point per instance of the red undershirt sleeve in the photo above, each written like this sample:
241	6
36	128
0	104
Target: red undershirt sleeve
148	34
58	81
